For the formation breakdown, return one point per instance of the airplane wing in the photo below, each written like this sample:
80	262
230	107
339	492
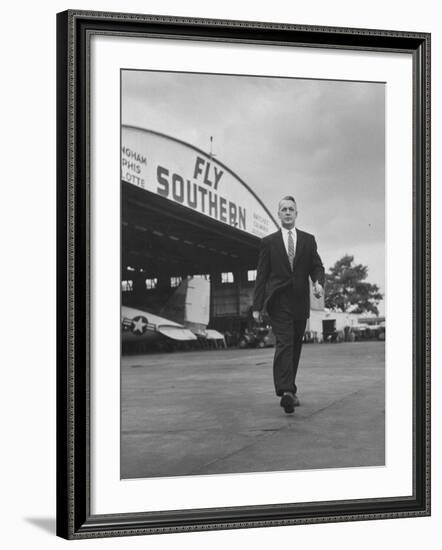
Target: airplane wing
212	334
140	325
176	333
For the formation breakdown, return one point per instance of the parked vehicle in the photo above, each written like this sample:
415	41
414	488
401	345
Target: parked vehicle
257	337
368	332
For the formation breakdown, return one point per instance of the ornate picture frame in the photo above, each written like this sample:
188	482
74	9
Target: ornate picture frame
76	517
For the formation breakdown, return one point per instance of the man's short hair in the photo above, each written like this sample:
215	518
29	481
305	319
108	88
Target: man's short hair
287	198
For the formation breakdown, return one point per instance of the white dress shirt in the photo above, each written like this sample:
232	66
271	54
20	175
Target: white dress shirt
285	238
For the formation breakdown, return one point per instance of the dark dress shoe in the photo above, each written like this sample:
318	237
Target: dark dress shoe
288	403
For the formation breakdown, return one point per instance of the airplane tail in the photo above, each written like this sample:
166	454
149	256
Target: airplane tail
190	304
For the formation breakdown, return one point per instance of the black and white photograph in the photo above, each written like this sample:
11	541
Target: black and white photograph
253	288
243	276
223	256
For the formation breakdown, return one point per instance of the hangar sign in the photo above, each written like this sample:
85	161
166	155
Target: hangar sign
184	174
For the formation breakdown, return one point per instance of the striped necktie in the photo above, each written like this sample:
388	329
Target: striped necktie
291	249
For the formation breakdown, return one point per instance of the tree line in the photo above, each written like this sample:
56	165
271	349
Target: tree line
347	290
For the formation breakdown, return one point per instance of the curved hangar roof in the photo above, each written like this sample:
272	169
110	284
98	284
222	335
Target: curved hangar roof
184	211
186	175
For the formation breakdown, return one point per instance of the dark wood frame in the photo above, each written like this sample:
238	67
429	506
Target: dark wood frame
74	519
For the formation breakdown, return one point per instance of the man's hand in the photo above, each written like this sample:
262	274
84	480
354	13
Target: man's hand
257	316
318	291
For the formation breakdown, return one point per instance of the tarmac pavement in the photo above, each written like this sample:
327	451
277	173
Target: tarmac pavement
211	412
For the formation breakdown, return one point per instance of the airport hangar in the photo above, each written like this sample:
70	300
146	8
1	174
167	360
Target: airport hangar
185	213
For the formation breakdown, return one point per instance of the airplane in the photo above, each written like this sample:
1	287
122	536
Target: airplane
186	316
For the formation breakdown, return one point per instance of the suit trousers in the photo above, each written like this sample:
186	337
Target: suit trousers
289	333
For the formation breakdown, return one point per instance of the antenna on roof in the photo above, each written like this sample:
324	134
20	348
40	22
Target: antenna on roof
211	154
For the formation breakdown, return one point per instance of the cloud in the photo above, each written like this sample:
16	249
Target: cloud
322	141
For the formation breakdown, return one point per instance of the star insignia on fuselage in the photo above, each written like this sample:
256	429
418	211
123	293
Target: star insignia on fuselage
139	325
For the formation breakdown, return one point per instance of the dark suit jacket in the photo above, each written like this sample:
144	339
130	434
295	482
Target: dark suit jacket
274	274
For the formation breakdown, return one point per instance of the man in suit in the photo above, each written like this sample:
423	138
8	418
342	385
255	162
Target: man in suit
287	259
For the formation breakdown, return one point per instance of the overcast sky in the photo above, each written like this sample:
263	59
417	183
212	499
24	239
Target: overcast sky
321	141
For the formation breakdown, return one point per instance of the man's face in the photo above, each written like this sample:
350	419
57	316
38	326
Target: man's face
287	213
